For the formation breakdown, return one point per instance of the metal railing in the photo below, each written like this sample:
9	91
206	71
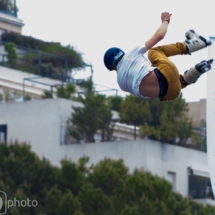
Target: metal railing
35	62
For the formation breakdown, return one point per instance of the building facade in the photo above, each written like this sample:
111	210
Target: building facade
9	22
42	124
197	111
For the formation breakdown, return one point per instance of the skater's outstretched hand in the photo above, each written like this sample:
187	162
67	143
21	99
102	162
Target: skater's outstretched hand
166	16
161	31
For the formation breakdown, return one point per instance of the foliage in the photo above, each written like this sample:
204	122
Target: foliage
1	96
95	116
201	130
163	121
115	102
8	6
134	111
87	85
47	94
12	57
107	189
93	200
48	59
57	51
8	95
66	92
48	70
28	98
186	130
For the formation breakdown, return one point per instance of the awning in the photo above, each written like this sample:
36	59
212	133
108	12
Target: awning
199	171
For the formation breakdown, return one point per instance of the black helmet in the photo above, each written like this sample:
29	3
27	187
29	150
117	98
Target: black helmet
112	56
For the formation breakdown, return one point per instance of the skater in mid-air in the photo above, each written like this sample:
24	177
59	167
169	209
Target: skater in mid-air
157	77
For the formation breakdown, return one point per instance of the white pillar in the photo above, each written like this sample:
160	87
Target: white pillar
210	114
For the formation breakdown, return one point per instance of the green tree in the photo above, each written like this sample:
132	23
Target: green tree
134	111
130	210
50	52
108	188
28	97
200	131
12	56
48	59
20	199
69	204
72	175
115	102
166	116
94	117
53	198
47	69
186	131
7	95
1	97
87	85
47	94
166	121
109	175
66	92
94	201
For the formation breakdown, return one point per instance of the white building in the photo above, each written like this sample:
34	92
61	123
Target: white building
9	22
41	123
210	116
31	84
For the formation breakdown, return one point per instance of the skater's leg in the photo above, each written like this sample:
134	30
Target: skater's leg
183	82
158	56
159	59
192	75
160	52
195	42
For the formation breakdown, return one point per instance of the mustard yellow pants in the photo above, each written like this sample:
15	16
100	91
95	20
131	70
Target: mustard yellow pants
158	57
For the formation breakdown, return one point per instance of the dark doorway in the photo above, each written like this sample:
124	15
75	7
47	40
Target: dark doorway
3	133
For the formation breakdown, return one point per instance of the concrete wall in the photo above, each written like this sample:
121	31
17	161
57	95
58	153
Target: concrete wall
37	116
38	122
13	79
144	154
10	23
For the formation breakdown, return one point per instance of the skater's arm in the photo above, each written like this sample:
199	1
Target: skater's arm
161	31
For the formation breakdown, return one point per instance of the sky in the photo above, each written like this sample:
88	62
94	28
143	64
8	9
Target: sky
92	27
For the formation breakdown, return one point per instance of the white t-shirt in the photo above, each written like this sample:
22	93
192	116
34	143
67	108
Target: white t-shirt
131	70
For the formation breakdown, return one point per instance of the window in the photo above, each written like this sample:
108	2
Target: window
1	31
171	177
200	187
3	133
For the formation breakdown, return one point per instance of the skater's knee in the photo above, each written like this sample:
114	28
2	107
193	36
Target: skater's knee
152	55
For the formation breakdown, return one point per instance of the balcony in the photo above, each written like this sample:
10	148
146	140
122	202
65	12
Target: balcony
8	7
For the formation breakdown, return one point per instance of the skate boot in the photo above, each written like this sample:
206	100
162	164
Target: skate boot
192	75
194	42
